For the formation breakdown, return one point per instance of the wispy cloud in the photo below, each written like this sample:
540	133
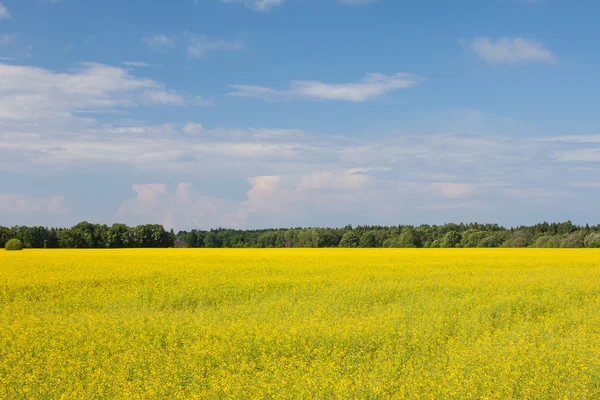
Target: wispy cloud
511	51
582	155
294	176
266	5
4	14
257	5
137	64
34	94
371	86
572	139
200	46
159	42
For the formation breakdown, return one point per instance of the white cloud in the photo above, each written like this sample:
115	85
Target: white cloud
159	42
584	155
266	5
272	200
137	64
294	177
258	5
511	51
320	191
251	152
17	203
192	128
370	87
573	139
183	208
4	14
200	46
34	94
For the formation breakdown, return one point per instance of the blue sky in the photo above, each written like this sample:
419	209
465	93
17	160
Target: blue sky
274	113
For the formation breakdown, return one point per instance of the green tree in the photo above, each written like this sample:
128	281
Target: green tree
13	244
350	240
547	241
151	236
323	237
120	236
592	240
211	241
82	236
5	235
517	239
451	239
410	238
574	240
368	240
101	236
472	237
491	240
289	238
267	240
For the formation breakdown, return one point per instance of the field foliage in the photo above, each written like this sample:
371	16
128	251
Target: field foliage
300	323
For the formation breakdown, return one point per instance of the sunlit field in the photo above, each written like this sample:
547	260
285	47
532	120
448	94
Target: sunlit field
302	324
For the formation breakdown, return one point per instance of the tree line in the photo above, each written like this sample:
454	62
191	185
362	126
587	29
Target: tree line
89	236
86	235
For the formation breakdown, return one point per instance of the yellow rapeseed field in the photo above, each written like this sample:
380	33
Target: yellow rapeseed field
302	324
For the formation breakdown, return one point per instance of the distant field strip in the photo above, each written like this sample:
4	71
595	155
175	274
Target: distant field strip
300	323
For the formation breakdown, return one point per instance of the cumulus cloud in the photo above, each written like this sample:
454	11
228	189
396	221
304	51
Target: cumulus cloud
277	200
22	204
512	51
184	208
282	177
370	87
